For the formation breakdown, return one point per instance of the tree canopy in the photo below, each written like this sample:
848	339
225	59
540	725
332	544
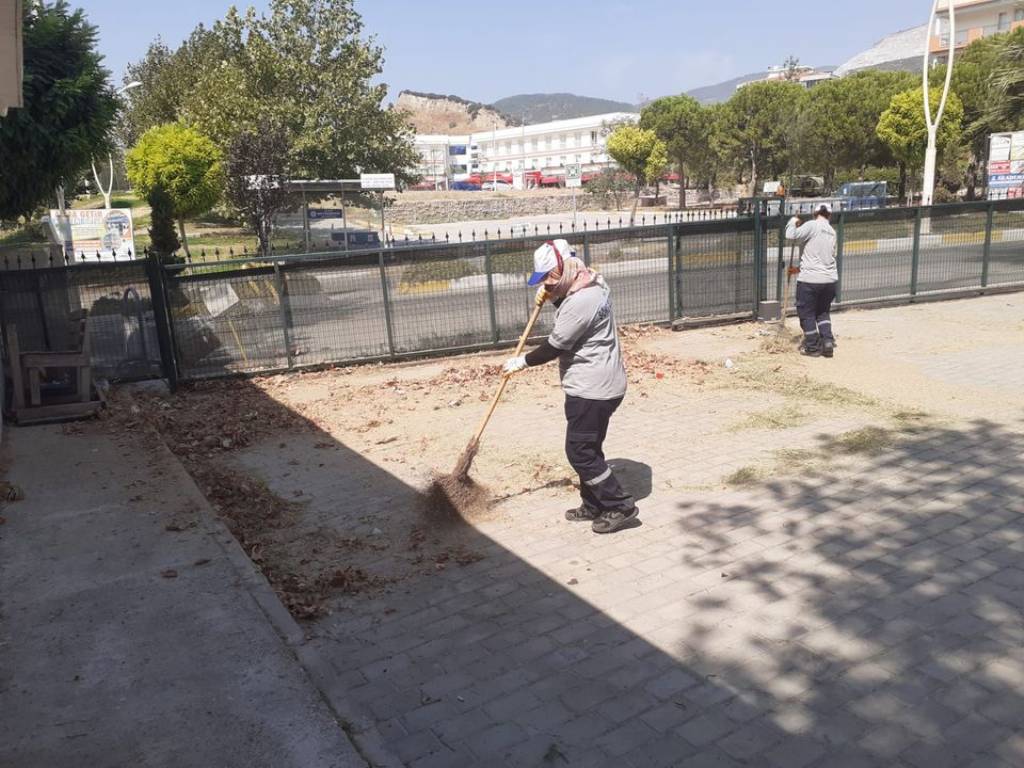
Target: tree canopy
68	113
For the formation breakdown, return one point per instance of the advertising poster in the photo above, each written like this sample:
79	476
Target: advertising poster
106	232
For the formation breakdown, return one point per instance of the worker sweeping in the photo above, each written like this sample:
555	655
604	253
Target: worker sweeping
816	281
585	342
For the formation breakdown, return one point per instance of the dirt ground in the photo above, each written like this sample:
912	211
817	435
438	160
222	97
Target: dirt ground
320	475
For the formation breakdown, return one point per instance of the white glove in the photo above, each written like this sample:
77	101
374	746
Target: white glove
514	365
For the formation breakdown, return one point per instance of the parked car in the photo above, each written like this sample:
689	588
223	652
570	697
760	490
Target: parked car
864	194
357	238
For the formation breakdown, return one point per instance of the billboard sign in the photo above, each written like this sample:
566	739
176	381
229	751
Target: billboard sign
107	232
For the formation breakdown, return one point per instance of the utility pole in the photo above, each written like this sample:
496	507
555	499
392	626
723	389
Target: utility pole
931	154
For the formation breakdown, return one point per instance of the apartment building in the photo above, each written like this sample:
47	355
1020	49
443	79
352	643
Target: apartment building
801	74
974	19
544	148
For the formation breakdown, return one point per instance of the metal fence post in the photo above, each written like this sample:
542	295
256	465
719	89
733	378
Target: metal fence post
781	258
669	228
840	247
987	253
495	336
163	320
387	303
586	248
757	260
916	257
282	302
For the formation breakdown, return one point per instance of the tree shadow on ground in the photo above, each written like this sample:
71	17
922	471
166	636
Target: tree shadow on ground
865	615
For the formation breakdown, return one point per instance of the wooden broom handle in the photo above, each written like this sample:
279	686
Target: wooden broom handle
506	377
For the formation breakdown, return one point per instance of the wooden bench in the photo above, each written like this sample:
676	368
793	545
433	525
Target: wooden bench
30	367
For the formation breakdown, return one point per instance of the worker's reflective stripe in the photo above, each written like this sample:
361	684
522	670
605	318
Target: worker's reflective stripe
600	478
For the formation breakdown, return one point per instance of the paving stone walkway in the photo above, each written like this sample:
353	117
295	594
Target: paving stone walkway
862	610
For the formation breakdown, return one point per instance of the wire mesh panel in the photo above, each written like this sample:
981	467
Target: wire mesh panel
636	265
1006	254
776	258
878	254
952	248
227	321
439	297
43	306
511	263
715	268
334	309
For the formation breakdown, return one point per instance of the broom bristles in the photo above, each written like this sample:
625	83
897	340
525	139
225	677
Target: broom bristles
465	461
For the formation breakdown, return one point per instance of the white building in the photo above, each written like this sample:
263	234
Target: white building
544	148
801	74
443	158
975	19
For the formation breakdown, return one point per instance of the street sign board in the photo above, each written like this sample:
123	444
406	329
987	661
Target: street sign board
1006	165
325	213
377	181
107	232
573	175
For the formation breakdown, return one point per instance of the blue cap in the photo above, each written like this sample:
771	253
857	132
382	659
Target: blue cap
537	277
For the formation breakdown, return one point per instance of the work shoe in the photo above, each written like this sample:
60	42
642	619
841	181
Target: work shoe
811	351
582	513
828	348
609	522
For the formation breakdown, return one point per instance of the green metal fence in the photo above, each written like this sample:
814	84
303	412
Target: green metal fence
252	315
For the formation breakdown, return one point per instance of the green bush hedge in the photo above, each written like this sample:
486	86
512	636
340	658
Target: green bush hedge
428	271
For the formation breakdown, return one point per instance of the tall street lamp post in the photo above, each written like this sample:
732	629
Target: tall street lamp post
933	124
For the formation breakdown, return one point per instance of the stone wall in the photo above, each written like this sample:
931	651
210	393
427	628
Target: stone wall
474	208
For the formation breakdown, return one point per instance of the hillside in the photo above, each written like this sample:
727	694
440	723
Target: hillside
434	113
542	107
712	94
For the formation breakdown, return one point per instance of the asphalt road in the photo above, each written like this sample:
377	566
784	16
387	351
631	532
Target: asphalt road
344	317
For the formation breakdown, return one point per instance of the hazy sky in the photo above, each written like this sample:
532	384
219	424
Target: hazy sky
608	48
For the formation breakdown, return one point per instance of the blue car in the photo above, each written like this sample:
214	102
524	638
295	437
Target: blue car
357	238
859	195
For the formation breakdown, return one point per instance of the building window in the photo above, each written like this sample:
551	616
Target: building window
1018	15
533	145
593	137
561	141
547	162
533	164
1004	21
579	158
561	160
547	143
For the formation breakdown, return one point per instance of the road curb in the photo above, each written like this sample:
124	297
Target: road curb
357	725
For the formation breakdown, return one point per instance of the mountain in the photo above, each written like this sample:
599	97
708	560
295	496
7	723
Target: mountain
434	113
712	94
543	107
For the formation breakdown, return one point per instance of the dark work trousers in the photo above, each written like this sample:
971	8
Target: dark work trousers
584	441
813	301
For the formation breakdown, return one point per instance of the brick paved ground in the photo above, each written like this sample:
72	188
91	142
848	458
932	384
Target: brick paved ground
862	610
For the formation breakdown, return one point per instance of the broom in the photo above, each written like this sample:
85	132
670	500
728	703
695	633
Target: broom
452	493
466	459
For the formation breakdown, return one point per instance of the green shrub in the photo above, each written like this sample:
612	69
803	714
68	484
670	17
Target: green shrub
428	271
514	263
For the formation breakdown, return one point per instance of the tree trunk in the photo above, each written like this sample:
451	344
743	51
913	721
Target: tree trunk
972	180
753	174
263	236
184	238
636	202
903	181
682	183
